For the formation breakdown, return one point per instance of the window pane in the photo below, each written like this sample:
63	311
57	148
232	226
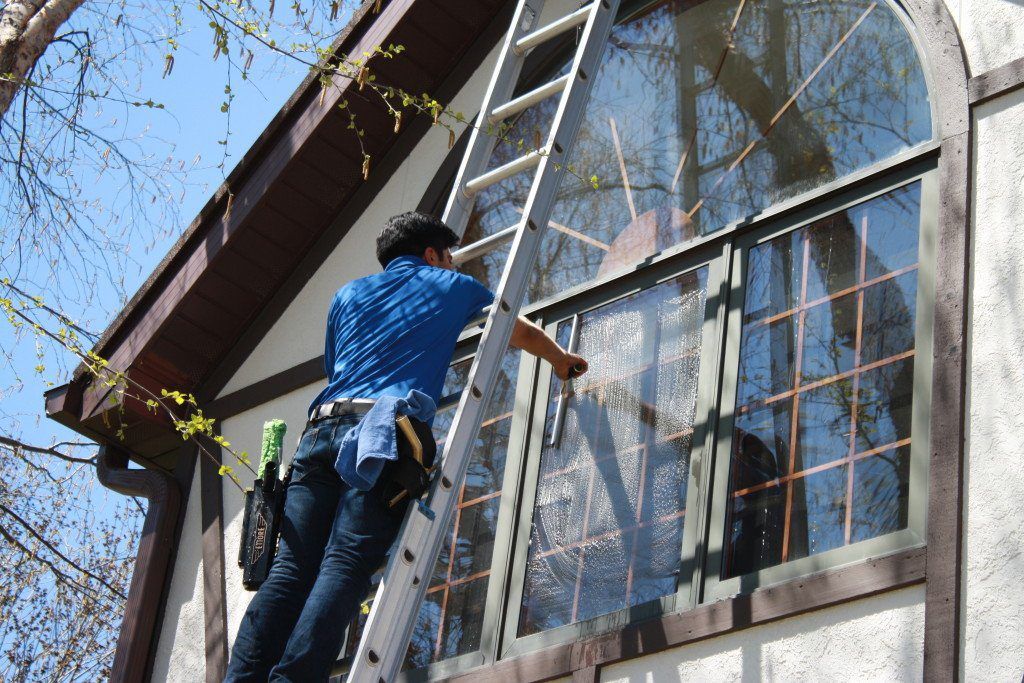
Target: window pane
608	516
451	616
459	583
820	450
705	113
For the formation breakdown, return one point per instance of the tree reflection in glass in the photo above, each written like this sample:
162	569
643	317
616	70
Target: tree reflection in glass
704	115
820	452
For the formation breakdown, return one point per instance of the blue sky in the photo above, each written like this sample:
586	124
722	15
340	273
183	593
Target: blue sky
188	128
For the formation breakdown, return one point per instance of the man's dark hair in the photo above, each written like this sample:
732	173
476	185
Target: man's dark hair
410	233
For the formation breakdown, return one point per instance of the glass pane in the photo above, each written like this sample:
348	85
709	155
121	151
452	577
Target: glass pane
451	616
704	114
820	449
462	571
608	516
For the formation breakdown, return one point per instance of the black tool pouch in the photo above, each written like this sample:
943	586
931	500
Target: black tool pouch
261	526
408	477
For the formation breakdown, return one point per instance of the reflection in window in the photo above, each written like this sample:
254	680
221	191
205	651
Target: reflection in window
608	515
451	615
703	115
821	447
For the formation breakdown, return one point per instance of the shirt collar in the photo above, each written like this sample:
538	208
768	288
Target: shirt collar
404	262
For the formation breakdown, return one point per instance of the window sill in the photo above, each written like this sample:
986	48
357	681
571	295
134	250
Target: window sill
816	591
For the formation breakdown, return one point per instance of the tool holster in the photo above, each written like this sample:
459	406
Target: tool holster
408	477
261	526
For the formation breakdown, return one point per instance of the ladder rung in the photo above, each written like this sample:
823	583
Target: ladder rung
555	28
485	245
502	172
529	99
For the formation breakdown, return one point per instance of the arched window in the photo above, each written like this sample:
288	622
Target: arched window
702	117
741	250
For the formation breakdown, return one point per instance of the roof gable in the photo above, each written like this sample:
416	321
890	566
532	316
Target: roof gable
181	330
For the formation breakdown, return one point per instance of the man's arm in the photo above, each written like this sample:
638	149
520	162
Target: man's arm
531	338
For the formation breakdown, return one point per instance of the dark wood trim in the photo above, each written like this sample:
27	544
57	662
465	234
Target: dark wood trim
949	81
215	611
589	674
352	211
945	474
997	82
140	626
265	390
764	605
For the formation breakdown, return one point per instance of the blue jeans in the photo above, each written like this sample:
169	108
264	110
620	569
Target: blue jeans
333	539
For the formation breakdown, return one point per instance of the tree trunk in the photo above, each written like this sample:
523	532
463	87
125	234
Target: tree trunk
27	28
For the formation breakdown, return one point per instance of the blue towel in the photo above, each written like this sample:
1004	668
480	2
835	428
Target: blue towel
368	445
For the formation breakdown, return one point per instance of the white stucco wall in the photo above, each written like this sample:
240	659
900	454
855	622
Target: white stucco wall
994	506
244	431
992	31
878	639
181	650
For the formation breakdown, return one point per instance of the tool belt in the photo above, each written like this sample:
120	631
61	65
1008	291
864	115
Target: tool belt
404	479
341	406
408	477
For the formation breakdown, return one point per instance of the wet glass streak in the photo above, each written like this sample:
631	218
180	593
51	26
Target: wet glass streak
608	514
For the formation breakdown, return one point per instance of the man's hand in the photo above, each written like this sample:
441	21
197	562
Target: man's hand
570	365
530	338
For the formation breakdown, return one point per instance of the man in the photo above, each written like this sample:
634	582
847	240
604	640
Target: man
387	334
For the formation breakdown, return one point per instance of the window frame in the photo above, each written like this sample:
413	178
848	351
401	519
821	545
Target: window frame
683	597
914	534
729	247
724	252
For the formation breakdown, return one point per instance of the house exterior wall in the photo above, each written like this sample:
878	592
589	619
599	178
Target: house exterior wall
879	638
842	643
180	653
994	507
992	31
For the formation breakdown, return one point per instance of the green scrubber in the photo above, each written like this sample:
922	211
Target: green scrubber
273	439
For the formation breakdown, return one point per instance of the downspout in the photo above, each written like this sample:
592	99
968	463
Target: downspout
152	562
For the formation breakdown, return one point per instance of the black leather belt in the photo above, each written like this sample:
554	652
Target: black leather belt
342	406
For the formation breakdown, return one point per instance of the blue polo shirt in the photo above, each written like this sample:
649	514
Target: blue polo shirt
396	330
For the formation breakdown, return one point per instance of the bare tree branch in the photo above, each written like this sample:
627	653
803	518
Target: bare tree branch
15	445
56	551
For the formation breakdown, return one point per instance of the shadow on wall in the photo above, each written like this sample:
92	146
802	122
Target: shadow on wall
879	638
180	652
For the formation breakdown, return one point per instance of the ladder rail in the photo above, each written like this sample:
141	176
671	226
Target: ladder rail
394	613
499	90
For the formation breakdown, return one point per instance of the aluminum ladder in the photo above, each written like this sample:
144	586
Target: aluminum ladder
395	610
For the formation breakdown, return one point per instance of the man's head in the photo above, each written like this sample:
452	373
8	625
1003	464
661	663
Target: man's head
416	234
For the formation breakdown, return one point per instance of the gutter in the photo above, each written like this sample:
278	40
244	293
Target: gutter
152	561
